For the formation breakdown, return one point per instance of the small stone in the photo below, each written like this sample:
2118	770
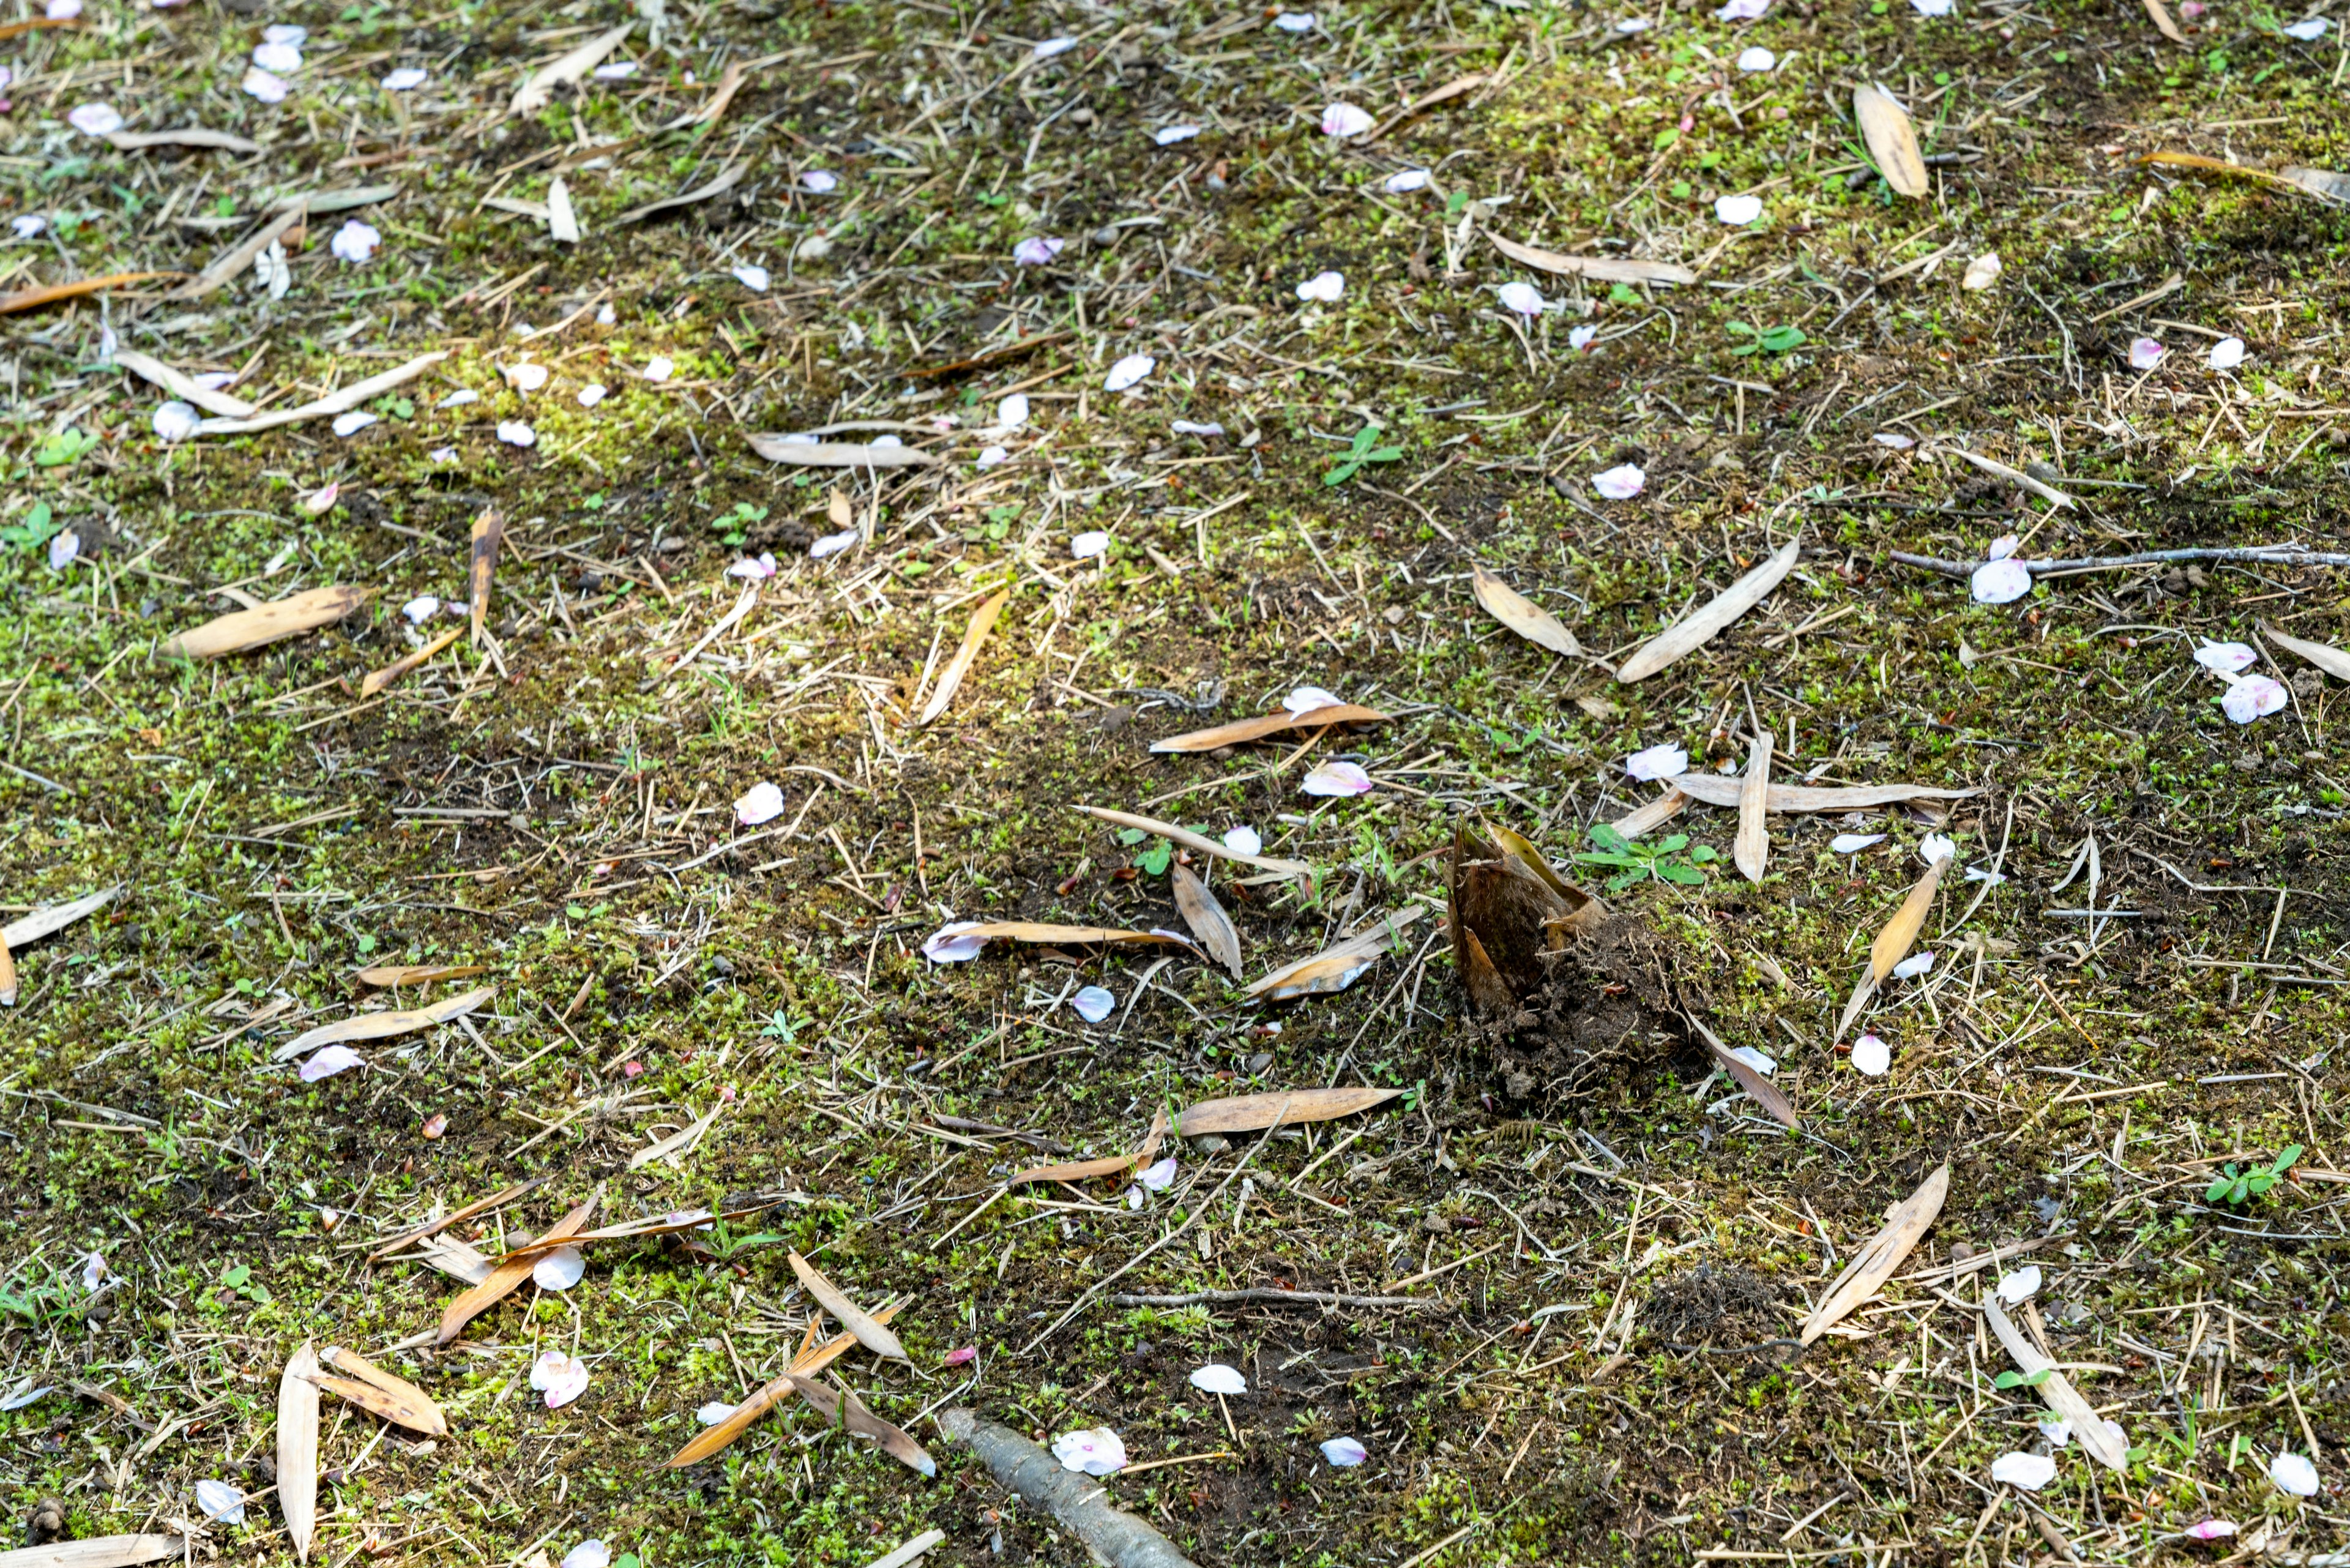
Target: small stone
1259	1062
1212	1142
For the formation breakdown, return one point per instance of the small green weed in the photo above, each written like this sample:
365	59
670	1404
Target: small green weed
1642	861
1366	450
2231	1186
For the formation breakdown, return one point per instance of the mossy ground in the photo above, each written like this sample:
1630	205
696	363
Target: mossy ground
782	979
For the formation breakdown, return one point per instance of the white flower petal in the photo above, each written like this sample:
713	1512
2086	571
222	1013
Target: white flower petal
2308	30
420	609
1937	846
1931	7
949	945
1522	297
833	544
593	393
2295	1474
1051	46
265	86
1012	412
755	568
1305	699
514	433
1913	966
819	180
222	1503
754	278
1756	60
559	1270
176	420
459	398
328	1060
1344	120
1738	211
407	78
1622	482
710	1414
284	59
1894	438
760	803
1037	250
1158	1176
1663	761
1244	841
1407	181
1322	286
1094	1451
1295	21
352	422
587	1555
1854	843
660	368
1127	371
1086	546
2229	657
355	242
1337	779
2226	354
95	120
1344	1453
2146	353
989	456
2025	1472
1761	1061
1999	582
1217	1379
1093	1004
1169	135
1871	1056
2252	697
2020	1284
1983	272
64	546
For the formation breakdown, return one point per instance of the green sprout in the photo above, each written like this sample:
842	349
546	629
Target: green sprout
1366	450
1641	862
2231	1186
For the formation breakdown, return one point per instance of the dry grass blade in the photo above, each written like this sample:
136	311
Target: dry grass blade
481	562
728	177
1254	1113
839	453
538	88
189	136
1753	848
241	631
101	1552
842	1409
383	1026
1242	731
27	929
2015	476
870	1334
2163	23
1206	917
1900	933
982	621
337	402
632	1230
80	288
1892	139
2331	660
1198	843
180	384
1713	789
1693	632
1760	1089
506	1278
298	1449
391	1396
1334	967
1660	811
1039	932
1521	614
1863	989
2105	1445
678	1142
1598	269
408	663
807	1362
1876	1262
479	1206
988	360
17	30
1109	1165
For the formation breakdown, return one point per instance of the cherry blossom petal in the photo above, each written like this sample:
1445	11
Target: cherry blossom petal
1871	1056
1662	760
2227	657
285	33
1158	1176
2210	1530
1012	412
587	1555
284	59
559	1270
407	78
1937	846
2019	1285
1931	7
1244	841
1127	371
62	10
1999	582
1761	1061
561	1377
1093	1004
1295	21
989	456
2293	1473
760	803
1913	966
1322	286
833	544
1522	297
949	945
1169	135
1337	779
2025	1472
754	278
1037	250
2146	353
2226	354
329	1061
1983	272
619	71
1344	1453
94	1272
1305	699
1217	1379
95	120
64	546
1738	211
962	1356
1344	120
1756	60
514	433
819	180
1579	337
222	1503
593	393
1622	482
1742	11
755	568
265	86
1854	843
420	609
2308	30
1094	1451
355	242
2252	697
1086	546
1051	46
1894	438
176	420
660	368
1407	181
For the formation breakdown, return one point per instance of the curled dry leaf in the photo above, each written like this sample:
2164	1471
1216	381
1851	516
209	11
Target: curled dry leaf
1760	1089
1109	1164
727	179
1900	933
841	1407
505	1279
1892	139
1875	1264
1753	848
982	621
53	293
371	1388
290	617
1598	269
298	1449
1695	631
1243	731
481	562
1521	614
1288	1107
416	973
874	1336
1206	917
384	1025
808	1361
408	663
1334	967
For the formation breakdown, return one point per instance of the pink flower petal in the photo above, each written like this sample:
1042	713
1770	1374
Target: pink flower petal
1622	482
949	945
2000	581
2252	697
1337	779
2146	353
331	1060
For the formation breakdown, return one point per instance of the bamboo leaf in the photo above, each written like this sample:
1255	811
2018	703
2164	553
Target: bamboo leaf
982	621
1892	139
240	631
298	1449
1876	1262
1521	614
1695	631
384	1025
1206	917
1253	1113
870	1334
1753	850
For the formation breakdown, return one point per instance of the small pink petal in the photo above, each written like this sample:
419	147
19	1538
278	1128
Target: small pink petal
1337	779
331	1060
1622	482
760	803
2252	697
2211	1529
949	945
1344	120
2146	353
962	1357
2000	581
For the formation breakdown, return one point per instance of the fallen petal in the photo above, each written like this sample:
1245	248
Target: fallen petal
1756	60
559	1270
1086	546
1622	482
1662	760
1169	135
1344	120
1407	181
1871	1056
2293	1473
1738	211
407	78
1012	412
1093	1004
1522	297
2020	1284
222	1503
1999	582
949	945
1217	1379
95	120
1128	371
760	803
1337	779
176	420
754	278
330	1061
1344	1453
2146	353
1037	250
587	1555
420	609
514	433
2229	657
1158	1176
2252	697
2025	1472
1305	699
1325	288
1913	966
1983	272
1244	841
2210	1530
1854	843
1094	1451
2226	354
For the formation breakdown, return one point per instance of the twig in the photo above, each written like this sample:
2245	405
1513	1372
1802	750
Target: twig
1267	1294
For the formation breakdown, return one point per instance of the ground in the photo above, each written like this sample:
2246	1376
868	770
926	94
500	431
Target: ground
1596	1361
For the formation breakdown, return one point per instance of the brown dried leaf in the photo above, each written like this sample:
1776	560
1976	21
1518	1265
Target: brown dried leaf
392	974
488	529
189	136
1759	1089
103	1551
2331	660
1713	789
408	663
2162	21
1253	1113
1598	269
8	986
1900	933
17	30
982	621
1109	1165
1070	936
27	929
289	617
1892	139
383	1026
1695	631
2324	184
298	1449
842	1409
870	1333
1206	917
1197	842
1658	812
391	1396
1876	1262
479	1206
1521	614
1751	849
51	294
1243	731
1334	967
812	1359
632	1230
505	1279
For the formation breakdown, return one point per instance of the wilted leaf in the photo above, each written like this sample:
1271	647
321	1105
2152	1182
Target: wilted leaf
26	930
189	136
103	1551
870	1334
1109	1165
481	562
383	1026
1334	967
1696	630
1715	789
370	1388
479	1206
1253	1113
1760	1089
728	177
2324	184
1876	1262
506	1278
1598	269
290	617
1206	917
2162	21
180	385
337	402
1035	932
1521	614
1900	933
2331	660
1752	848
1892	139
982	621
807	1362
844	1409
51	294
408	663
1245	729
298	1449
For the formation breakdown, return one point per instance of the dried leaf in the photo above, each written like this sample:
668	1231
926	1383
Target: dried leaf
217	140
1752	851
807	1362
1049	935
338	402
1876	1262
1253	1113
408	663
2162	21
728	177
1662	810
479	1206
1893	943
180	384
1334	967
1198	843
677	1142
839	453
1521	614
103	1551
27	929
988	360
383	1026
870	1333
842	1409
1109	1165
1598	269
298	1449
982	621
391	1396
1520	848
17	30
8	986
2015	476
1892	139
2323	183
505	1279
630	1230
1243	731
51	294
2105	1446
538	88
241	631
1695	631
232	263
1713	789
1759	1089
1206	917
2331	660
562	223
481	562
